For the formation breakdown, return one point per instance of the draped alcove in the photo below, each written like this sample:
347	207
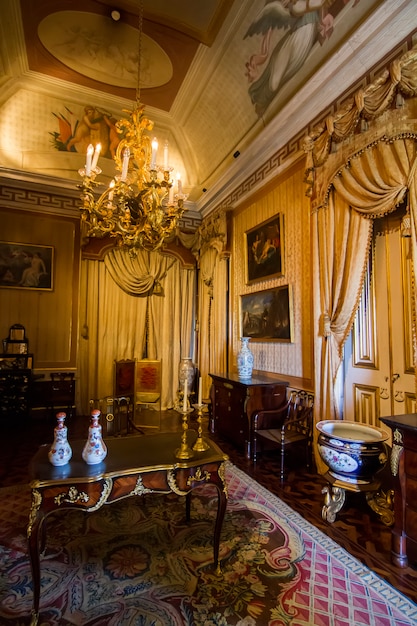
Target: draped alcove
134	307
213	293
146	305
361	165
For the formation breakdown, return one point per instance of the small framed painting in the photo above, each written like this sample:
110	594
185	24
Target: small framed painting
267	315
26	266
264	250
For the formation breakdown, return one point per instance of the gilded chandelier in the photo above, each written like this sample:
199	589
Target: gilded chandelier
140	207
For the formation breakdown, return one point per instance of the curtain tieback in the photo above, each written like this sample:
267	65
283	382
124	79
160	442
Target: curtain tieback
326	329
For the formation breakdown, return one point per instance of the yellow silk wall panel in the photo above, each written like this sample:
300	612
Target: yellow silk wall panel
50	317
286	196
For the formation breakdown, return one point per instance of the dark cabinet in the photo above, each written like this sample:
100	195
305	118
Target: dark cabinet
233	403
404	470
15	379
57	394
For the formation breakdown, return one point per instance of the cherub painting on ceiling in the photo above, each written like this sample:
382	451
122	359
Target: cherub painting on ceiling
92	127
288	30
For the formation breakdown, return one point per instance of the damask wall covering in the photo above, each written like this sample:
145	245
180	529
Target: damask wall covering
287	196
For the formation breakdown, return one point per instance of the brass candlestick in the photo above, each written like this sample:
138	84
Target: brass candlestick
200	445
184	452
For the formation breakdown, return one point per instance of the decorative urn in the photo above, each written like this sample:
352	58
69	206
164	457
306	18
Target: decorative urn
60	451
245	360
95	450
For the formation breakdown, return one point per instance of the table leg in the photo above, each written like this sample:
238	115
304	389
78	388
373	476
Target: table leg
188	506
221	510
33	530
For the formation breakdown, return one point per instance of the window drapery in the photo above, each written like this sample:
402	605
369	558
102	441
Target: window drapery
370	184
137	275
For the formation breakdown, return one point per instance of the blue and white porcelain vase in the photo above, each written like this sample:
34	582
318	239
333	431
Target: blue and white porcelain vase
245	360
60	451
95	450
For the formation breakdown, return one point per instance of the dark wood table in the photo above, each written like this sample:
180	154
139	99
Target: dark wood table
404	471
134	466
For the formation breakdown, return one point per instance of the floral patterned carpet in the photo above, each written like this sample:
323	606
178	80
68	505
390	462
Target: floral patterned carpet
139	563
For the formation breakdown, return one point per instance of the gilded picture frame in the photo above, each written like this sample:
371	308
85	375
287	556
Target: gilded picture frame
267	315
26	266
264	250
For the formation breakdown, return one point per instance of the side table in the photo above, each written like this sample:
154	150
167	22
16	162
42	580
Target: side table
234	402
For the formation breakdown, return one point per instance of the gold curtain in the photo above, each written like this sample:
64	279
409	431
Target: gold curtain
366	106
119	320
371	183
137	275
213	298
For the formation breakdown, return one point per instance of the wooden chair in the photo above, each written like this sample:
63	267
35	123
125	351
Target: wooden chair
124	394
116	414
292	425
148	381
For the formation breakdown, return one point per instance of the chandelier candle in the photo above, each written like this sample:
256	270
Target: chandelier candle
166	168
154	153
96	155
89	157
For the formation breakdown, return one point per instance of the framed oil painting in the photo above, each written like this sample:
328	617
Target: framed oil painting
267	315
264	250
26	266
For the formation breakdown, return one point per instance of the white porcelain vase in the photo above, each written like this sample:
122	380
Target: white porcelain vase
60	451
245	360
95	450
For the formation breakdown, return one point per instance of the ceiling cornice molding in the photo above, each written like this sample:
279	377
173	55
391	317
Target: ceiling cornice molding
39	194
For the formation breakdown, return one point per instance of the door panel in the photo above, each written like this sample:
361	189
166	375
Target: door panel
379	372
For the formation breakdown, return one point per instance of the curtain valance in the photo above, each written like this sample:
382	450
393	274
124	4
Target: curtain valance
375	181
138	275
367	104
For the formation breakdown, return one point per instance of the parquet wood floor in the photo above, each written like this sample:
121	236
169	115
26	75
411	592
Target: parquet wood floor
357	528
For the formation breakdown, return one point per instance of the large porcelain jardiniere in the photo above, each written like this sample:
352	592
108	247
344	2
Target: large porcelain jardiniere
353	452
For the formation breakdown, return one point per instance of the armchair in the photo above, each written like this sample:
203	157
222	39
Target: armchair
289	426
148	390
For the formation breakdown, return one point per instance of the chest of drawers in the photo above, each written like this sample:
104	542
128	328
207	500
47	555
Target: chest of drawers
233	402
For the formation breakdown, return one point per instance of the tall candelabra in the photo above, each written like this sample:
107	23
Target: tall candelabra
184	452
200	445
